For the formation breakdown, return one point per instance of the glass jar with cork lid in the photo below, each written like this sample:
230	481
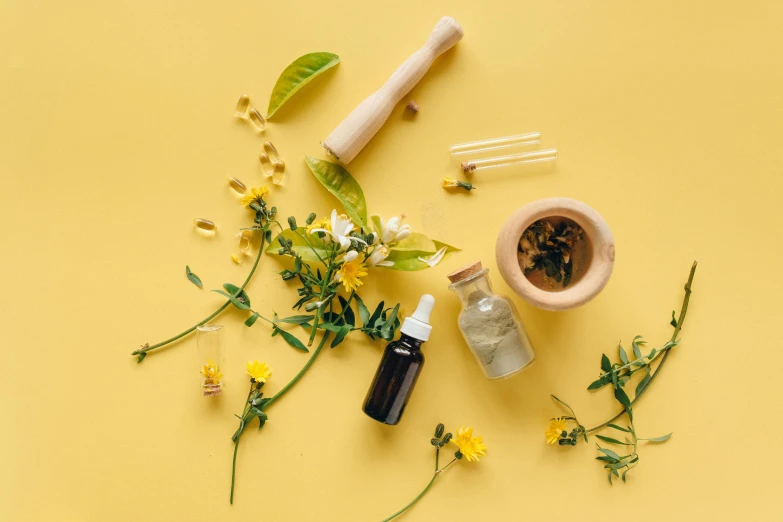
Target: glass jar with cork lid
490	324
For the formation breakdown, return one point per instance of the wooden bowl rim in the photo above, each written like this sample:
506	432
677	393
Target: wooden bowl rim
591	282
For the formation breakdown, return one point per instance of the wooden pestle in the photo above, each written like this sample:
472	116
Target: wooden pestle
353	133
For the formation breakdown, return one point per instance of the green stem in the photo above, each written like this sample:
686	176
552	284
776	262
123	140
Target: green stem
676	332
299	375
347	305
147	349
412	502
236	442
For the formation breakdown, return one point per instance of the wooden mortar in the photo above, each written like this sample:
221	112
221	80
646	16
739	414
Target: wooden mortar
590	282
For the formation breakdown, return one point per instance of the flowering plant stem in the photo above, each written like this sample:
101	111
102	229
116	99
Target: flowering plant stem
143	351
435	475
672	342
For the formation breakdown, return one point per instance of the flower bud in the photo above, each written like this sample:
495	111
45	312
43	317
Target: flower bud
458	455
292	222
310	218
439	430
447	438
281	240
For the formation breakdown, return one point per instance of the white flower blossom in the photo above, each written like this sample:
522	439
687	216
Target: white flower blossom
435	258
378	257
350	256
341	230
394	230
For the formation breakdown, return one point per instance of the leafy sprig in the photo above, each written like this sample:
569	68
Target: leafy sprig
618	375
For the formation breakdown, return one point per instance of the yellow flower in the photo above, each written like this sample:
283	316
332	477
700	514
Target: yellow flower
451	182
350	273
235	259
469	446
258	371
325	224
556	428
211	372
254	195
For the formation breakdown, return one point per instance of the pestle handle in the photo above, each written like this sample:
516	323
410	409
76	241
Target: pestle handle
353	133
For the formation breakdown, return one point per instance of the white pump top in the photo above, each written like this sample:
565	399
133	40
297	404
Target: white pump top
418	325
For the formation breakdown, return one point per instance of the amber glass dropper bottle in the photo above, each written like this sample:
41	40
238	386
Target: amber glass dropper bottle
400	367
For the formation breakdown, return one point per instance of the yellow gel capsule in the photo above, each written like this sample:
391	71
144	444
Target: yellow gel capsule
271	152
278	173
267	167
236	259
237	186
245	239
242	105
205	226
256	118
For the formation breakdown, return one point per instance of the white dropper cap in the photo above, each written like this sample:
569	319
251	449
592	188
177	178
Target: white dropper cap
418	325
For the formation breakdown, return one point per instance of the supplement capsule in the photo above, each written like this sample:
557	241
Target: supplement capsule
278	173
237	186
242	105
256	118
267	167
205	226
271	152
245	239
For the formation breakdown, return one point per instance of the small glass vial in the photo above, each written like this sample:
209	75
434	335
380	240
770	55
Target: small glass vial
210	359
490	324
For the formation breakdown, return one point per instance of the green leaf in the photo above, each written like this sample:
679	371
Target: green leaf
196	280
663	438
615	426
392	317
348	314
300	246
364	313
597	384
376	314
611	440
376	225
673	322
416	241
623	355
234	290
252	319
408	260
341	333
298	74
643	384
296	319
234	300
624	473
636	351
342	185
622	398
290	339
606	365
609	453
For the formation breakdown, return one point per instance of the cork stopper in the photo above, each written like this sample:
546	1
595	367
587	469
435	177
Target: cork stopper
412	107
465	272
468	167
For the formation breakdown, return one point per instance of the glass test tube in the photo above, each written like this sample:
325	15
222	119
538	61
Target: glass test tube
531	138
537	156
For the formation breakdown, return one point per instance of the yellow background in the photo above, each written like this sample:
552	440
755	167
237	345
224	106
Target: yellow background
117	129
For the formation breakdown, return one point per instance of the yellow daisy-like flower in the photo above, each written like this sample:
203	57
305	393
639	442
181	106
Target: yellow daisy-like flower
325	224
258	371
470	447
350	273
556	428
211	372
254	194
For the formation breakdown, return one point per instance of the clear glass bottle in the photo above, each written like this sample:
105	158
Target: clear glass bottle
490	324
210	358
